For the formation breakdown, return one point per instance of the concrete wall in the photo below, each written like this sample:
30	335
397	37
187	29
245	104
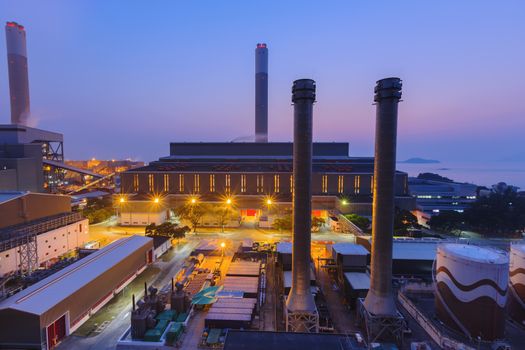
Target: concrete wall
23	331
8	179
26	160
50	245
130	218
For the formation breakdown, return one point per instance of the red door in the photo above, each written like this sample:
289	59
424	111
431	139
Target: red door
56	332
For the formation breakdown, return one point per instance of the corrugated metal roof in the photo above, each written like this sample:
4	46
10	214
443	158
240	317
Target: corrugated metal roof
228	317
42	296
244	268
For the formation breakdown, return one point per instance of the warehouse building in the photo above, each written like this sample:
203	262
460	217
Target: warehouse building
36	229
351	262
410	257
258	176
40	316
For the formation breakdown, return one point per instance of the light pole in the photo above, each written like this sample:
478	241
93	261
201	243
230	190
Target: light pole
222	249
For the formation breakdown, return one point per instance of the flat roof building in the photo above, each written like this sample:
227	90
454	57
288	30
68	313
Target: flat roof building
251	172
40	316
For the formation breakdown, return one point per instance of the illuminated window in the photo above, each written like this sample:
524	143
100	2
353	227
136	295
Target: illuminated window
324	184
260	183
166	183
340	184
181	182
196	183
372	184
212	182
291	183
243	183
276	183
151	182
357	184
228	184
135	183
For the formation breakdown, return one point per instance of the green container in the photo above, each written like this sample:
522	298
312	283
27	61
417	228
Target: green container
169	315
161	325
174	333
182	317
152	335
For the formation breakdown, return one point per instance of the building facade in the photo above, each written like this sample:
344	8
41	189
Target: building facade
36	229
432	197
255	174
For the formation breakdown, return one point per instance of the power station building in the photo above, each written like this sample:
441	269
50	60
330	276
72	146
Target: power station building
251	174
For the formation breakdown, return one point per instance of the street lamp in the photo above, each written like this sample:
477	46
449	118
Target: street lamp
122	200
193	201
228	201
222	248
156	200
269	201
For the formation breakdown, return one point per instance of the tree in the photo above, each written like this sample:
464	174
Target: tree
192	212
447	221
283	223
151	229
360	221
403	220
500	213
317	222
223	214
165	229
180	232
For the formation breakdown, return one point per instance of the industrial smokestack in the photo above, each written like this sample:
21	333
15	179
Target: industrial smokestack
18	76
379	300
301	309
261	93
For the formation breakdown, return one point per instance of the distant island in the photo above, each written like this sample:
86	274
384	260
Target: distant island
419	161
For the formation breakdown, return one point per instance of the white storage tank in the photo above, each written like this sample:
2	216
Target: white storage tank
516	305
471	289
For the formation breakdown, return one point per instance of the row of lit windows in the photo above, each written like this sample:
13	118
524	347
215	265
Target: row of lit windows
260	183
428	196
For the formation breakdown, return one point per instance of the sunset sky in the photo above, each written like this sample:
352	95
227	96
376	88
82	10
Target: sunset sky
121	79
